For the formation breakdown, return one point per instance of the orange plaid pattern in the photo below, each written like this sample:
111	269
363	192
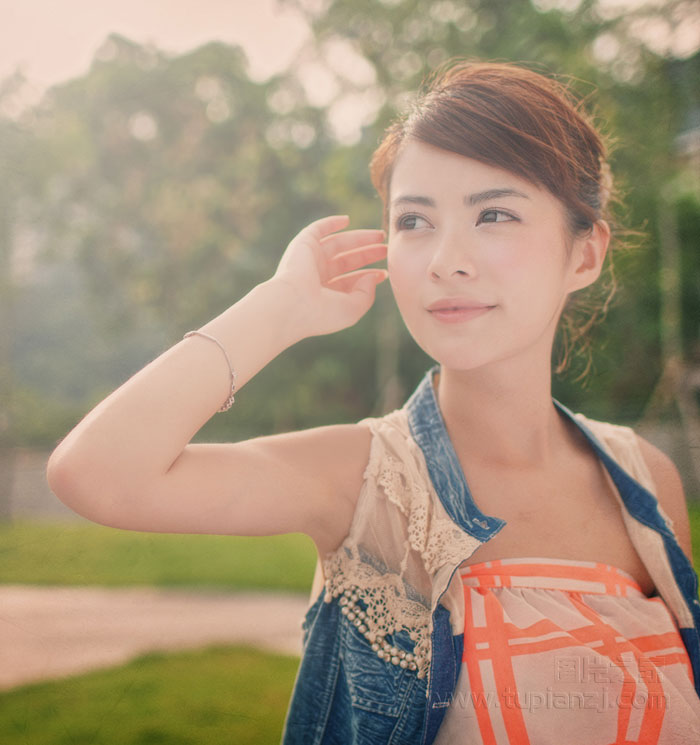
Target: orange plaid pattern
570	652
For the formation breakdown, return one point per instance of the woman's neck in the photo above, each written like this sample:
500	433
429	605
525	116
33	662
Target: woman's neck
500	417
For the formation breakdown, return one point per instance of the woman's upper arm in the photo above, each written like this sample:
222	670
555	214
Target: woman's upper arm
305	481
669	492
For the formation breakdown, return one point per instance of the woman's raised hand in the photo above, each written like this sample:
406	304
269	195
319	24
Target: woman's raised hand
325	269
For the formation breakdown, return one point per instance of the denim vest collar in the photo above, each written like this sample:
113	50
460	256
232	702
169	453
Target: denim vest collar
428	429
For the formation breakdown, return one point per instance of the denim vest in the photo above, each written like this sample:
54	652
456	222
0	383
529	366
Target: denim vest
346	694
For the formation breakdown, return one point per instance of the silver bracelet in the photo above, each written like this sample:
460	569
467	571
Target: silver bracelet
228	403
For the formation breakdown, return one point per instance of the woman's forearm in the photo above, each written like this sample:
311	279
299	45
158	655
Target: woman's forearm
137	433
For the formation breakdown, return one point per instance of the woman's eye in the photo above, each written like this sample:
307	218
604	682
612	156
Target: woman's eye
411	222
494	216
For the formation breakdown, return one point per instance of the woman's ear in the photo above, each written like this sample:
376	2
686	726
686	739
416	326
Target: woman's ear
588	255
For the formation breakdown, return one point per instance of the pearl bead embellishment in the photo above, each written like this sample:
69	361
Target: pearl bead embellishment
350	608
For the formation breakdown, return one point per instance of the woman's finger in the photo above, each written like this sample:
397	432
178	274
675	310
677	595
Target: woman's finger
350	239
309	239
324	226
349	282
355	259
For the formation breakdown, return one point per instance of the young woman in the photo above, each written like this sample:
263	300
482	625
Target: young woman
495	569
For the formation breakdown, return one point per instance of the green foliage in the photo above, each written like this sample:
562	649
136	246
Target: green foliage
89	554
158	190
40	417
175	190
219	695
694	516
689	232
159	185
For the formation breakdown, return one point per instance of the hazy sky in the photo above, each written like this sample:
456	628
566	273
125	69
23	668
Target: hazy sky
55	40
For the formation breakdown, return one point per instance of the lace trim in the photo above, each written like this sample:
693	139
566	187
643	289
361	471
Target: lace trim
437	539
387	610
391	602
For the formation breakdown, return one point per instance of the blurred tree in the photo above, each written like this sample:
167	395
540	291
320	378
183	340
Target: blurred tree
675	396
174	186
154	190
9	139
174	183
18	171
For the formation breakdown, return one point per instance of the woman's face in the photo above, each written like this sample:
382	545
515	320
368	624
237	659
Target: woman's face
480	261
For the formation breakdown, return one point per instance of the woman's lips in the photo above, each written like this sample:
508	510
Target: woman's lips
457	313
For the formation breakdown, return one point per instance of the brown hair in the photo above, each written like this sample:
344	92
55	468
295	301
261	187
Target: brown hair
516	119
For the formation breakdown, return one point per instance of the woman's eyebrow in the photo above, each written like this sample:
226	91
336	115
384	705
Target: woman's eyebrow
411	199
485	196
470	200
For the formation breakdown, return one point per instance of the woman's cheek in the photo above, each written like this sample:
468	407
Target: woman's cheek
403	284
392	262
394	268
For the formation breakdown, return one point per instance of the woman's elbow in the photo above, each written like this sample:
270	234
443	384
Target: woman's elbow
78	485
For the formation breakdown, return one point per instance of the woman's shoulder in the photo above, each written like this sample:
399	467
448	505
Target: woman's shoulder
623	444
669	491
347	456
346	451
630	448
374	449
651	467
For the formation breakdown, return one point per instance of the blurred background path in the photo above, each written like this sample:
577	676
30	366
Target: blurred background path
51	632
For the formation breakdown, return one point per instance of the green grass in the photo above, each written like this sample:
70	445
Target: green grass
221	695
88	554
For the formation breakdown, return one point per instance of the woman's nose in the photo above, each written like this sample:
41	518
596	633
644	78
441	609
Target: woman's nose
452	256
